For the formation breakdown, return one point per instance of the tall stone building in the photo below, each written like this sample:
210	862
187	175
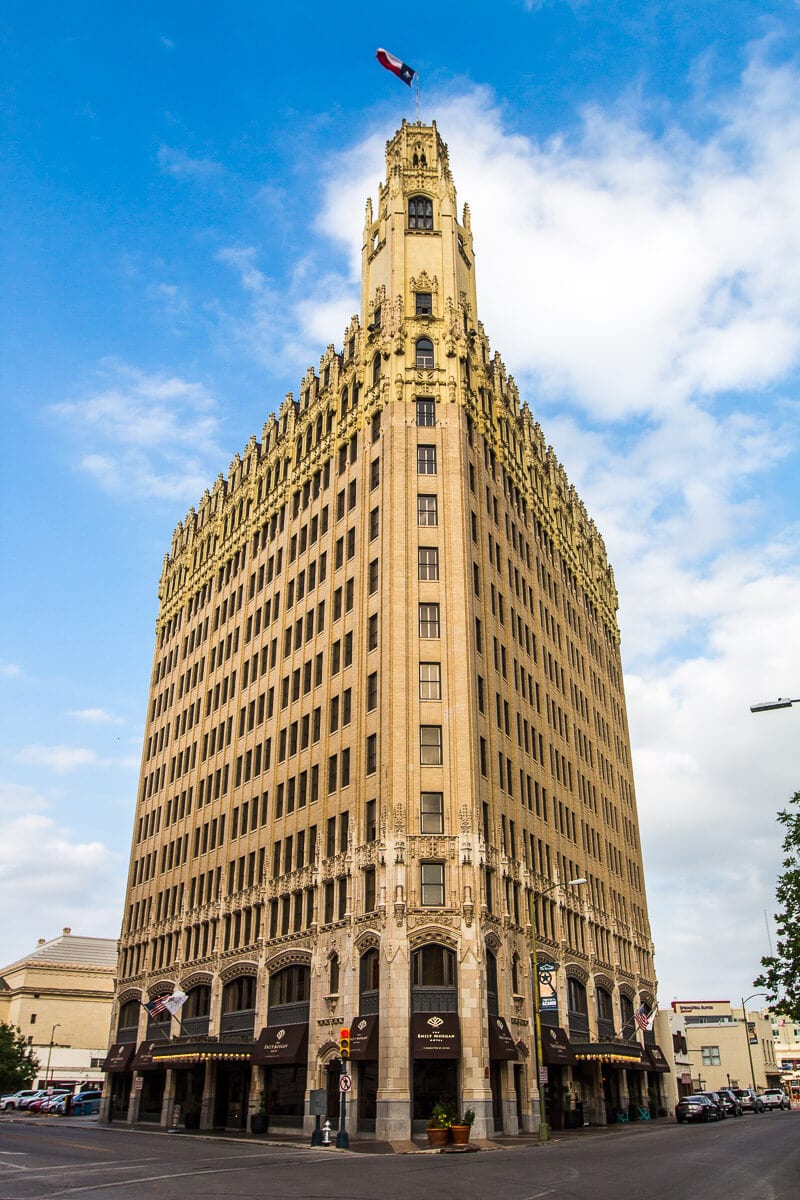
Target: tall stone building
386	725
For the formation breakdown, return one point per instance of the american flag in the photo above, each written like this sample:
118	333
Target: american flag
157	1006
643	1017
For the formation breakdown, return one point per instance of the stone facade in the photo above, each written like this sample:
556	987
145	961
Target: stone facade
386	726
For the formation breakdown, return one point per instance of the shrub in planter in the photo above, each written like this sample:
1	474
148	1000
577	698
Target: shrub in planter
259	1119
438	1128
461	1127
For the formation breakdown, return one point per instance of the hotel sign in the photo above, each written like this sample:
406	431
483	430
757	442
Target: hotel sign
435	1035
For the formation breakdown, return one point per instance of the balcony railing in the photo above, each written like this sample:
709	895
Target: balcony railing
432	999
289	1014
236	1025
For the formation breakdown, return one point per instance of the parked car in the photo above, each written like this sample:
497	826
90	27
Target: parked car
730	1101
28	1101
14	1099
85	1104
775	1098
717	1098
749	1100
697	1108
42	1103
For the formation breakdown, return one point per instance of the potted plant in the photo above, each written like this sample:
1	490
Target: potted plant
260	1118
460	1129
438	1128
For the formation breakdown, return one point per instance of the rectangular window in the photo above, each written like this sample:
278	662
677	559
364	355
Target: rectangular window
372	585
374	473
430	745
428	562
427	510
429	621
431	812
430	681
423	305
426	460
372	632
432	884
374	524
426	412
370	821
710	1056
372	691
372	754
369	889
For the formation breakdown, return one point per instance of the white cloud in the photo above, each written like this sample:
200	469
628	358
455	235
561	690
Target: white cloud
182	166
69	758
96	715
10	670
145	435
84	880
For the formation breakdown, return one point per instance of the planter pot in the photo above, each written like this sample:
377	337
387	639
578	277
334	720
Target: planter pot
437	1138
258	1123
460	1134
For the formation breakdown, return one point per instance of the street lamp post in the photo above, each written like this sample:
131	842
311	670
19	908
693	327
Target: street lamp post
544	1128
747	1035
49	1054
770	705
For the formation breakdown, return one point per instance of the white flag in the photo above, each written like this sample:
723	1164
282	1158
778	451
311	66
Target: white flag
175	1002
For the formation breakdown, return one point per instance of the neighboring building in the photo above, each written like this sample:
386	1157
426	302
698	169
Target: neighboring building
786	1041
725	1052
60	996
671	1035
386	712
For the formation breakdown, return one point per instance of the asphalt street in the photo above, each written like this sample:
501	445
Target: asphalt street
752	1158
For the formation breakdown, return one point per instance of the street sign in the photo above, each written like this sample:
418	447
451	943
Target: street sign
345	1083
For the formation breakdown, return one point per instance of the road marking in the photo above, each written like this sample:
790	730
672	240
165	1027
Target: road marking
93	1187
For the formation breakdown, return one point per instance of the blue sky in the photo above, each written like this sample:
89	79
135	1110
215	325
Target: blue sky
183	191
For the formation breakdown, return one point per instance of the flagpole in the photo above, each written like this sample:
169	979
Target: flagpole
417	97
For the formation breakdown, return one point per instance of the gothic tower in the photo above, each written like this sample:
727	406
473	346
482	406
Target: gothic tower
386	732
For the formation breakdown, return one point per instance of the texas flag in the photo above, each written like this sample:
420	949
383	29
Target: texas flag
398	68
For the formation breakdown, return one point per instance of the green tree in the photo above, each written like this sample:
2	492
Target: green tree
781	975
18	1064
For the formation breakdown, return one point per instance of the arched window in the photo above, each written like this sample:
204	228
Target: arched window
420	213
289	991
491	984
198	1002
344	403
239	995
376	369
433	979
128	1022
605	1013
424	352
368	981
238	1007
333	975
628	1022
578	1007
515	974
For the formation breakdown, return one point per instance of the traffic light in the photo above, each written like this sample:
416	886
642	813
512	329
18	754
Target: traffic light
344	1044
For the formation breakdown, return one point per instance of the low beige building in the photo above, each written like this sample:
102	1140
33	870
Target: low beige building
727	1047
60	996
786	1043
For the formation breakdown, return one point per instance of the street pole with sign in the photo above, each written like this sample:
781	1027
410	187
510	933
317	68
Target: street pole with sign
345	1083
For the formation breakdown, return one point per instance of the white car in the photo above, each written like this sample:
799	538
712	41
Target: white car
8	1103
775	1098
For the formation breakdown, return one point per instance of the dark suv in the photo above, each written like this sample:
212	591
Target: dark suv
730	1102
